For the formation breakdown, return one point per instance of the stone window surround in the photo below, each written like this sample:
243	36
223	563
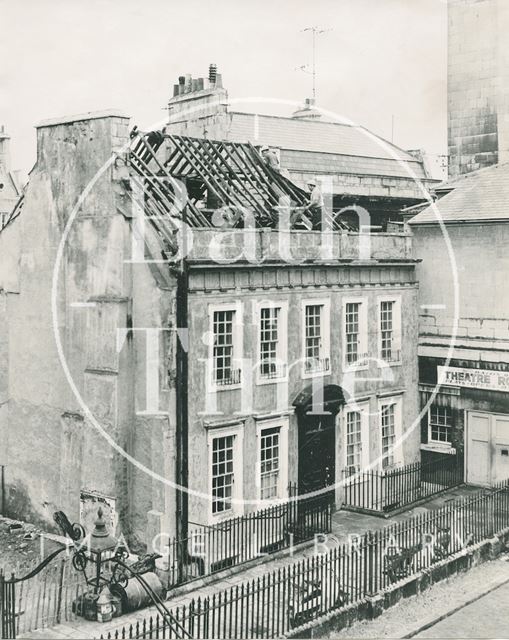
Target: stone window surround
363	340
282	347
269	423
324	332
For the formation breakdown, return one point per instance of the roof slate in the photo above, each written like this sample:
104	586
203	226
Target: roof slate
482	195
313	135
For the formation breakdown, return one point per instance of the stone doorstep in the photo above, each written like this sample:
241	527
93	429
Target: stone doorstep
373	606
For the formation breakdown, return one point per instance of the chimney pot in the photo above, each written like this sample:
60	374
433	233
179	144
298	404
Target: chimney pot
212	73
182	79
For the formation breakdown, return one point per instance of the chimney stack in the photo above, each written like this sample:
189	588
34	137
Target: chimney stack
212	73
204	95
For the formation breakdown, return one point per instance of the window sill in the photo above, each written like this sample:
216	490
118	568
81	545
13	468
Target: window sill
391	363
227	387
316	374
263	381
439	447
348	368
216	518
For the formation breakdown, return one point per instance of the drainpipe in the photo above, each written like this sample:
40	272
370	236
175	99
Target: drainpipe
2	490
181	405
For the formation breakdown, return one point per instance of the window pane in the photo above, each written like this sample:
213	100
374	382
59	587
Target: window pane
387	328
353	442
440	424
269	469
269	339
222	473
223	322
313	331
352	331
387	417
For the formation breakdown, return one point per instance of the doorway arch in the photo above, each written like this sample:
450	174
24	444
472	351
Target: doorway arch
317	407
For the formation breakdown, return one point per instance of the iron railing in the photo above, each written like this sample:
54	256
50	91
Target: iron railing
316	365
234	377
40	601
272	605
211	548
385	491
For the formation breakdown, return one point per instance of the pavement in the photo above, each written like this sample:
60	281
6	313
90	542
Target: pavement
472	604
344	524
486	617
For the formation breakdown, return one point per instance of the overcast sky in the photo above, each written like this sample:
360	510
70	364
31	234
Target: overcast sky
380	58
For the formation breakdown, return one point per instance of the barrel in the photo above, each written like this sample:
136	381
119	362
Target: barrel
134	596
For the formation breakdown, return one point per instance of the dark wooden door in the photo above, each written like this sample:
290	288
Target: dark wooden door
317	452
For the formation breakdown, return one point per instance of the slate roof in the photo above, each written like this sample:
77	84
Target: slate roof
478	196
324	137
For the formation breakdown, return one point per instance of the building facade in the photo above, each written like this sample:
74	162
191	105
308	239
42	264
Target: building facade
279	335
464	349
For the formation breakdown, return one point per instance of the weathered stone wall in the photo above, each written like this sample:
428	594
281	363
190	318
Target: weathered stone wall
54	450
478	81
481	281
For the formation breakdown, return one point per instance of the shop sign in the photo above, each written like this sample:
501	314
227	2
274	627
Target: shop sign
474	378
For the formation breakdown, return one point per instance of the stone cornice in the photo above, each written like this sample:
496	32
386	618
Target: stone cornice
217	278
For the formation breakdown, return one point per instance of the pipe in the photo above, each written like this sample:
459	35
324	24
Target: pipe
182	471
2	492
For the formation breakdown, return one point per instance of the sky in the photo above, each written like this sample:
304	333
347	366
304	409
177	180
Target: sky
380	60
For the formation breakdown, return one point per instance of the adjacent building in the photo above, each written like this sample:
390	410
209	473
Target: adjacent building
478	84
358	168
464	349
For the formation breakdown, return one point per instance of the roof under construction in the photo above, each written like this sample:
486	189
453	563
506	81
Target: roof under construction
212	183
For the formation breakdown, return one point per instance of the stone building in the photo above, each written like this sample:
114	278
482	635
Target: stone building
478	84
466	352
153	334
357	167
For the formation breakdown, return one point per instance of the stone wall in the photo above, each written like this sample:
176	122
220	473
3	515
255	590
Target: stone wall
478	81
55	449
479	258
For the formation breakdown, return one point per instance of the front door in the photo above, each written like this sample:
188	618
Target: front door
487	448
317	448
479	448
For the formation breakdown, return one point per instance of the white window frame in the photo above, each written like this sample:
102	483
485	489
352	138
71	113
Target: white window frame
443	443
363	409
363	337
238	336
271	423
325	335
282	345
397	453
237	508
396	330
